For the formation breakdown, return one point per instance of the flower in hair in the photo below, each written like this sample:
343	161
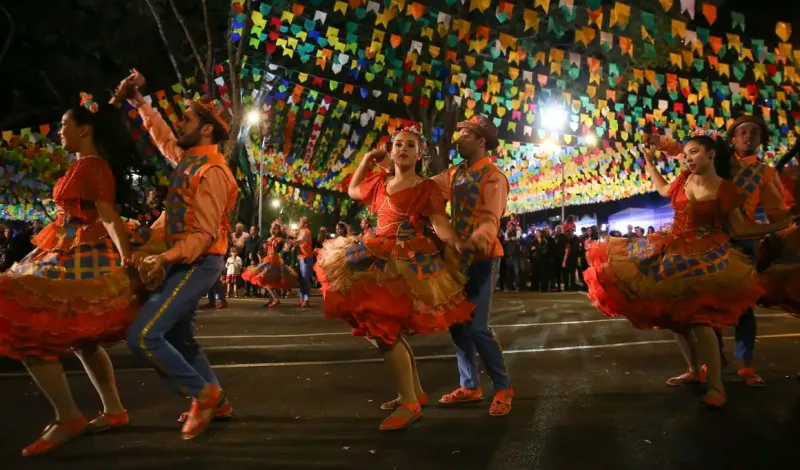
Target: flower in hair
413	130
87	102
710	133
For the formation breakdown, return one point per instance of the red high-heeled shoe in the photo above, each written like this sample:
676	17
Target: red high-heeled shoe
105	421
395	422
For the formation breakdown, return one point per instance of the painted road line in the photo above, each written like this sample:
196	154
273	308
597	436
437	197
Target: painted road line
420	358
510	325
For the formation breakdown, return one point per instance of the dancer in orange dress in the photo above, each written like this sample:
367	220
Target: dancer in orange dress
396	282
271	273
690	279
73	292
779	258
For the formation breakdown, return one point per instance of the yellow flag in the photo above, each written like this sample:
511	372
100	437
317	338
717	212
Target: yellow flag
783	30
531	20
545	4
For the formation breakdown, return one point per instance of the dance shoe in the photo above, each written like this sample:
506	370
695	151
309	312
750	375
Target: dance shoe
75	428
202	411
106	421
225	411
501	405
462	395
393	404
402	417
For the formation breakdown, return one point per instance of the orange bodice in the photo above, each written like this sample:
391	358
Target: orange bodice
87	180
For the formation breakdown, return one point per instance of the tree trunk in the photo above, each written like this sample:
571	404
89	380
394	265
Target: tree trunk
209	53
10	32
189	37
163	35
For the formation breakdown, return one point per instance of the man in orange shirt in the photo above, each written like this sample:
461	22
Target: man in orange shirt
305	258
757	184
478	192
201	192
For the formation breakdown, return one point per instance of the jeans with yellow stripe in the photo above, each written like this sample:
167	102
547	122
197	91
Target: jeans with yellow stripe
163	332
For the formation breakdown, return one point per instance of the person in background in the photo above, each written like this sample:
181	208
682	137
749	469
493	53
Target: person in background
366	228
570	261
539	266
251	248
639	232
238	238
36	228
502	275
511	248
558	258
651	230
631	233
341	229
233	267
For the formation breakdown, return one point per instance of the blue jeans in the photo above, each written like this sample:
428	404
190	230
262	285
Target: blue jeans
477	335
217	291
744	343
306	265
163	333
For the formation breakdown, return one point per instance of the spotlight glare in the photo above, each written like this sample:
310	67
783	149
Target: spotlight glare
554	117
253	117
590	139
276	203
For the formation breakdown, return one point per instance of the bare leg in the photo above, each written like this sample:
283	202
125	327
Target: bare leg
708	348
399	362
50	377
417	384
687	347
101	372
686	343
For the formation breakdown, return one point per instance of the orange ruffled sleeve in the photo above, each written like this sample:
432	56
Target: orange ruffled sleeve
369	188
91	180
676	186
729	198
430	200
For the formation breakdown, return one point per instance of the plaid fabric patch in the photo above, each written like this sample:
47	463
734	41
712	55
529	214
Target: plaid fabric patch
179	198
82	262
748	180
673	265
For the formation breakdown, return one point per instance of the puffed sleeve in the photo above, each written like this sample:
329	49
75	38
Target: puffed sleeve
431	200
728	197
91	180
370	186
676	186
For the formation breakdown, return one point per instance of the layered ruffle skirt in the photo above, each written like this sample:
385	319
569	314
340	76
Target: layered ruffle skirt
272	273
383	287
664	281
71	290
779	263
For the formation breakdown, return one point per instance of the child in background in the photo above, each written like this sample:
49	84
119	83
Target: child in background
233	268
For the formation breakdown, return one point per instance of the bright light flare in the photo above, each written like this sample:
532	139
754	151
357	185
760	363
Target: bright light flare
253	117
554	117
549	146
276	203
590	139
293	226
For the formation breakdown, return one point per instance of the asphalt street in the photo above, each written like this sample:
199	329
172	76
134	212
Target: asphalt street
590	395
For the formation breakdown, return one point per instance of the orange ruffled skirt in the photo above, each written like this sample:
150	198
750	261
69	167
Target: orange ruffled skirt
70	291
272	273
670	282
779	262
383	288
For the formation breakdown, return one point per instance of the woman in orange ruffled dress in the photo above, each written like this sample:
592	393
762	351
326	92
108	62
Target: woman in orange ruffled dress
74	292
272	273
689	279
779	258
395	281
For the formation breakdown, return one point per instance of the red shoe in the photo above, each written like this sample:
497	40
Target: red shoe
750	378
501	405
274	303
225	411
715	398
222	304
207	306
689	377
106	421
202	412
74	428
393	404
462	395
301	303
305	304
403	416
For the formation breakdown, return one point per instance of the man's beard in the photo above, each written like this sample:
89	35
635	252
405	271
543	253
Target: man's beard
187	141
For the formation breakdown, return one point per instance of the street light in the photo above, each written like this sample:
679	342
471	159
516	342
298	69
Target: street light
253	117
276	203
590	139
554	117
293	226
